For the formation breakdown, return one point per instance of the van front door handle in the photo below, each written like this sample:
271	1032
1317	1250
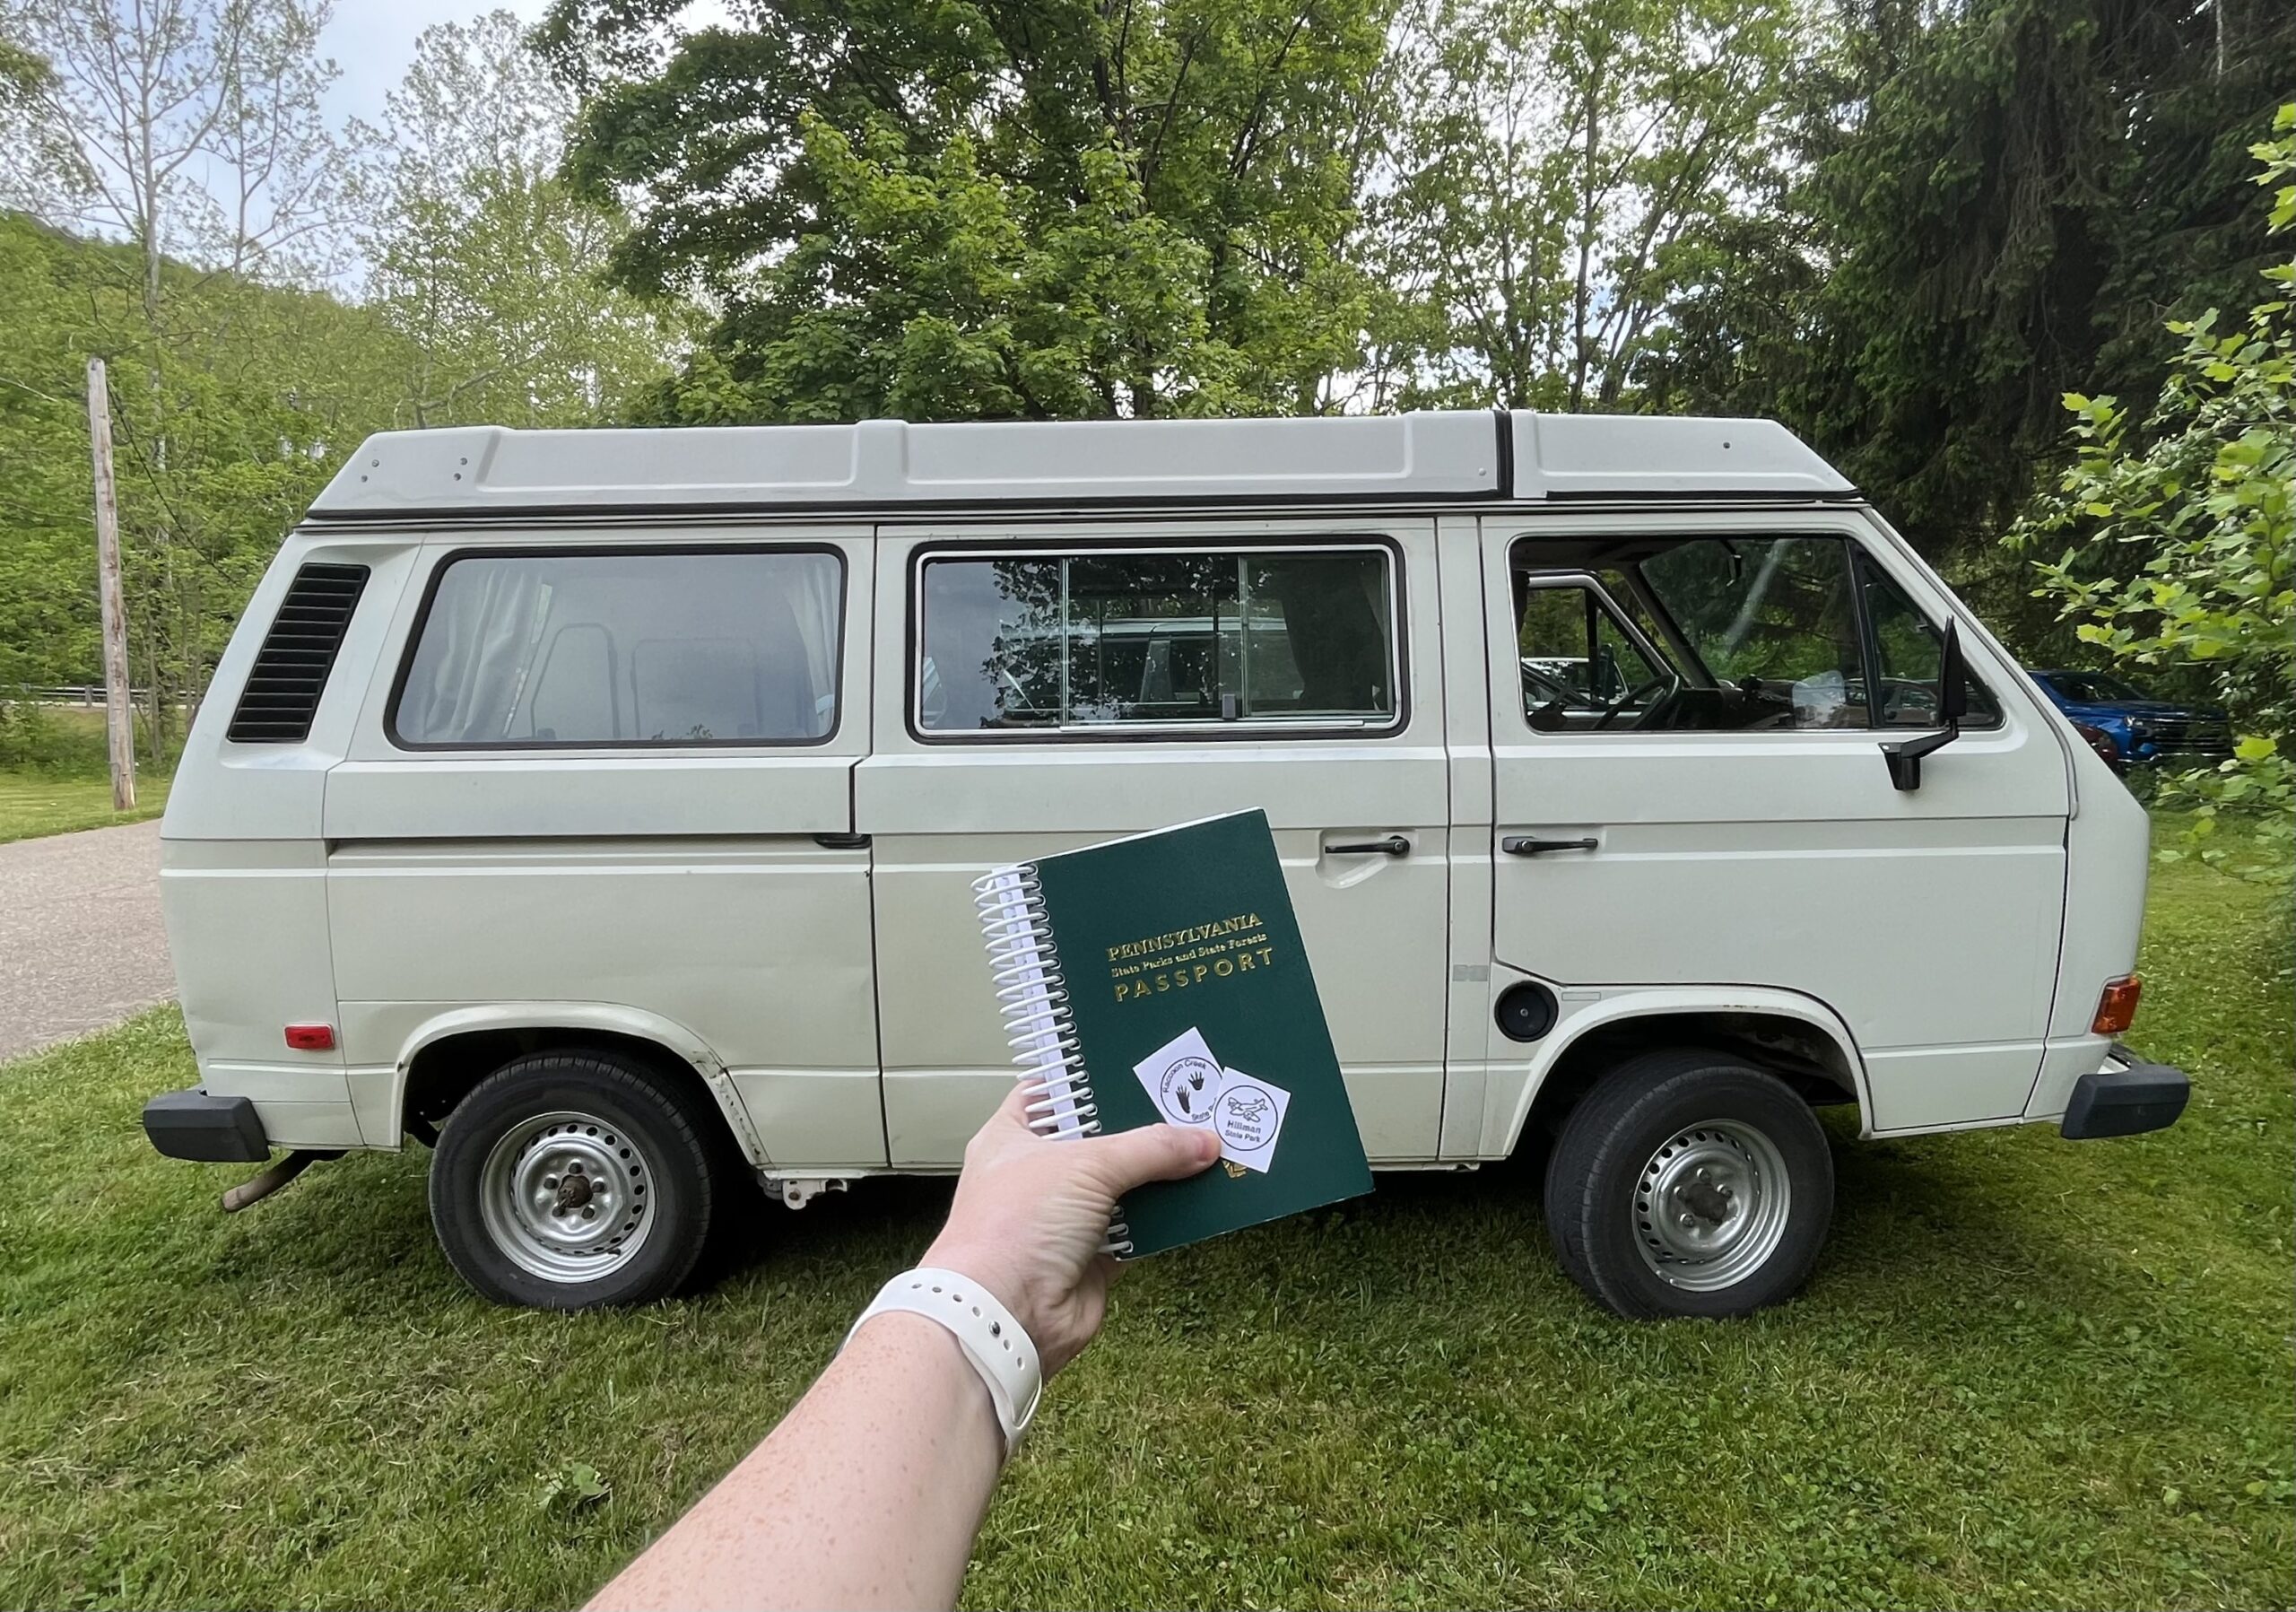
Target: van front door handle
1393	845
1524	845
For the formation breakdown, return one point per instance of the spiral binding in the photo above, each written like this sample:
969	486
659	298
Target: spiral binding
1040	1026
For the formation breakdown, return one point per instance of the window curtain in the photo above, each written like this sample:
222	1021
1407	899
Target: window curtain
476	647
815	591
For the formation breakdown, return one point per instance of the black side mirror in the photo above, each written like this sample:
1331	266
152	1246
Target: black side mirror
1904	757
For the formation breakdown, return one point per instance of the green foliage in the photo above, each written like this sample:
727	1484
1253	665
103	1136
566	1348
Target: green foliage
979	209
39	738
480	260
236	390
1990	204
570	1486
2015	1347
2201	497
23	74
226	422
46	558
1563	177
967	299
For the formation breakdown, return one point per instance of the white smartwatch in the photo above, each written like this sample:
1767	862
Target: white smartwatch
998	1346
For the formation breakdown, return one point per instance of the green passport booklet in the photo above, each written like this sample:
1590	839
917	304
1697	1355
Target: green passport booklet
1161	977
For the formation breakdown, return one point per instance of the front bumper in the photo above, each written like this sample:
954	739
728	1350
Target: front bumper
2124	1098
210	1130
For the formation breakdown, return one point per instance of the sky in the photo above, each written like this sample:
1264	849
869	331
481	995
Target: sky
373	40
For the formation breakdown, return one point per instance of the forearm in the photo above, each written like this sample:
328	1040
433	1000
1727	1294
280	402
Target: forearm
867	1494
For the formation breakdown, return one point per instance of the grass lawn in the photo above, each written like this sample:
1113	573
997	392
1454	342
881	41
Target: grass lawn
33	804
2029	1373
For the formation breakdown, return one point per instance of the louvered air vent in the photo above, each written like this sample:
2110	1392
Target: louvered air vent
282	691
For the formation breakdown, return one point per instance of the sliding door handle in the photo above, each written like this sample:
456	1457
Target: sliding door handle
1524	845
1393	845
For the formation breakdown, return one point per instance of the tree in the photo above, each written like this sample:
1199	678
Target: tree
1997	201
256	415
2202	496
988	207
1562	174
191	130
481	257
47	630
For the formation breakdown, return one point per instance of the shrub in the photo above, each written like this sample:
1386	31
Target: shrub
2202	497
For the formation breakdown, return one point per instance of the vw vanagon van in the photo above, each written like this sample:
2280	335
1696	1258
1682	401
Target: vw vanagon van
600	808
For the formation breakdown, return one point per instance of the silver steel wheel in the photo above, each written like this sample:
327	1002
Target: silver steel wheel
1711	1204
564	1196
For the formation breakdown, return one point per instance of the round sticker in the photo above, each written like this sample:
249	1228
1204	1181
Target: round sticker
1247	1121
1187	1087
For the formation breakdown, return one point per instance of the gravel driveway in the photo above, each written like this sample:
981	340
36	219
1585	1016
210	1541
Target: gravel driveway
81	944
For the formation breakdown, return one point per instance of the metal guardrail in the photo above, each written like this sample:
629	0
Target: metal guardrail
82	693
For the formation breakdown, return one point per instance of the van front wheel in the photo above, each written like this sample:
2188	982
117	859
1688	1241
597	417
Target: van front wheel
1690	1183
569	1180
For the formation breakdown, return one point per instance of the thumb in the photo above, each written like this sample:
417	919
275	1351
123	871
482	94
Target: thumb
1153	1152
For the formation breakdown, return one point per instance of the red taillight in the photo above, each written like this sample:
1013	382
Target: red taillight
2117	1008
311	1038
2101	743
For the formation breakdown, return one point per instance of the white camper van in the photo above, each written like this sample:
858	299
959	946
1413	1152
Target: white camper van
600	809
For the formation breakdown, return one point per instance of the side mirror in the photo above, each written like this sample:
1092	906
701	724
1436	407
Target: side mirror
1904	757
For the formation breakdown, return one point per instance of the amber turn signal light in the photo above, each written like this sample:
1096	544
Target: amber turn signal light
311	1038
2117	1008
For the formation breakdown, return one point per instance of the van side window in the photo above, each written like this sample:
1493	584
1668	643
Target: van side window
1905	649
1098	638
589	648
1725	634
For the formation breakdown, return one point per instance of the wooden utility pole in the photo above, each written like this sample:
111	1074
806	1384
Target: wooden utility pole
119	718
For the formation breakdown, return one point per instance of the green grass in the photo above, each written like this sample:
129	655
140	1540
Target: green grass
2029	1373
32	804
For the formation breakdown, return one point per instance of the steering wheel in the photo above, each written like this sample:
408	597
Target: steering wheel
1611	711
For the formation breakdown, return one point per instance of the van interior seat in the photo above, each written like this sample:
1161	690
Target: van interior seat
759	687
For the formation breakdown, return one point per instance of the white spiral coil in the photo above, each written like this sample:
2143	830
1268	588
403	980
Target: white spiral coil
1039	1027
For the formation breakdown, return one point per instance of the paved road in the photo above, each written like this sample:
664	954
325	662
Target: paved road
81	944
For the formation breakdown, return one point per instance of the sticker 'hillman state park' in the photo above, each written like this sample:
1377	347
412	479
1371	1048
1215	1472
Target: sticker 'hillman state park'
1190	1086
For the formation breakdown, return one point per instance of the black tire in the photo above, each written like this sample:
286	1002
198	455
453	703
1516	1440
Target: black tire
1707	1111
625	1139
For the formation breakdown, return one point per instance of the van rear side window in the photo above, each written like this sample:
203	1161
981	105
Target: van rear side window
625	648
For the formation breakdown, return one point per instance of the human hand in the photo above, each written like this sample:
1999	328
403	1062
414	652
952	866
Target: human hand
1031	1213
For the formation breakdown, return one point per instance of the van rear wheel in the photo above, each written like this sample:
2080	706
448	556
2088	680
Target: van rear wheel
574	1179
1690	1183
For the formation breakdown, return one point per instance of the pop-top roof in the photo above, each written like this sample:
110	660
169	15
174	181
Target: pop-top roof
891	463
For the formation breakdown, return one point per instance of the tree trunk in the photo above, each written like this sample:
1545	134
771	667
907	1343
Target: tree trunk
1579	294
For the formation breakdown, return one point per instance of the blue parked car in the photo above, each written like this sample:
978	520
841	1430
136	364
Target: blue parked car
2130	729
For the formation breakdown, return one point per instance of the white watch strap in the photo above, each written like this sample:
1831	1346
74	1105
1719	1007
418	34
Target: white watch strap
998	1345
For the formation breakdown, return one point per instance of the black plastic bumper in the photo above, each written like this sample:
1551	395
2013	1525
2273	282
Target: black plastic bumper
2122	1103
212	1131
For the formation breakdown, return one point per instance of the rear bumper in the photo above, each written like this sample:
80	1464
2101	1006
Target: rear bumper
2124	1098
210	1130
